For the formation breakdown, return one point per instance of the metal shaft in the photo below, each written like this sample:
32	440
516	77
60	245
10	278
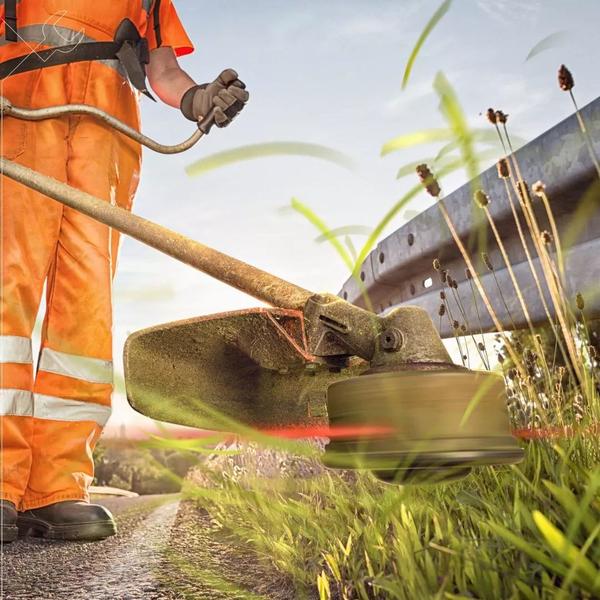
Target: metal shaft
233	272
40	114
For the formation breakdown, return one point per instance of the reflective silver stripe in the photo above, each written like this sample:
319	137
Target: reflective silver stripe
56	36
61	409
15	349
147	5
94	370
16	403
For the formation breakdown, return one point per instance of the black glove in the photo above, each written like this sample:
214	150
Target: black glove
226	94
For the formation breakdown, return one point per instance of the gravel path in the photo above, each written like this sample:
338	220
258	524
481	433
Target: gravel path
165	550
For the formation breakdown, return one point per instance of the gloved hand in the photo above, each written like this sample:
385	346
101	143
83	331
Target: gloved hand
226	94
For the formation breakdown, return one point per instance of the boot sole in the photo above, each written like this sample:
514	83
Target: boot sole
9	534
93	531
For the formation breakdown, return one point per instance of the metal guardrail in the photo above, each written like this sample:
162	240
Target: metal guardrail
400	270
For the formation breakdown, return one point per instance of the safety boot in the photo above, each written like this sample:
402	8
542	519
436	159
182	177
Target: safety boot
69	520
8	516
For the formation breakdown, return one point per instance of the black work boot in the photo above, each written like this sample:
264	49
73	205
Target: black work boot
72	520
8	516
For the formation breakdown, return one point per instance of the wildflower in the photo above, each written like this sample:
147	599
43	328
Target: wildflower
523	190
502	118
428	180
491	116
503	168
538	188
565	79
481	198
487	261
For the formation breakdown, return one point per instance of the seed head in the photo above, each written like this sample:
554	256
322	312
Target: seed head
442	295
538	188
502	117
436	264
579	301
481	346
429	181
503	169
454	284
442	310
512	374
456	324
468	273
491	116
565	79
546	237
443	274
487	261
481	198
463	328
523	190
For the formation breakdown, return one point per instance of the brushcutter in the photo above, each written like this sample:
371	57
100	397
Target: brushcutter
383	385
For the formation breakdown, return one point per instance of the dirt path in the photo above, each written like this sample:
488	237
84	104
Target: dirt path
165	549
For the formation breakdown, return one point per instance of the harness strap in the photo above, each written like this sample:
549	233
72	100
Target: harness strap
10	20
52	57
129	49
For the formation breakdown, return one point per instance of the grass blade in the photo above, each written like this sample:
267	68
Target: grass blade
435	19
255	151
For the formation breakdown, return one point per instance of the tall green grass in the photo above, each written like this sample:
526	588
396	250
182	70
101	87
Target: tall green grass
528	531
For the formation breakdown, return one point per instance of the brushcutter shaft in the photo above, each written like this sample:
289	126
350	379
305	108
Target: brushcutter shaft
40	114
229	270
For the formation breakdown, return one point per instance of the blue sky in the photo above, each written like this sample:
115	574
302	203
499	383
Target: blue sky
329	72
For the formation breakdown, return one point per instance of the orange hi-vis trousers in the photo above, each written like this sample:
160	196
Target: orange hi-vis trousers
51	419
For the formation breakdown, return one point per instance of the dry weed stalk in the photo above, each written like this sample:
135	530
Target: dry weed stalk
483	201
433	188
522	192
567	83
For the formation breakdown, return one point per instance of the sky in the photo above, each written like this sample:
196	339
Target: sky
329	72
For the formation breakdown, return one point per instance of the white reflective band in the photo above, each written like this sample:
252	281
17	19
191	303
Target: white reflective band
61	409
56	36
15	349
94	370
16	403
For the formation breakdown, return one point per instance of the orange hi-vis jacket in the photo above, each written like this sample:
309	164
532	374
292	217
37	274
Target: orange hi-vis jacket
51	419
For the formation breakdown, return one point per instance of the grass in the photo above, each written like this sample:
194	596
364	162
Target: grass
528	531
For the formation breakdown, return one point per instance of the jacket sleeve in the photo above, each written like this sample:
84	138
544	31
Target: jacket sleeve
165	29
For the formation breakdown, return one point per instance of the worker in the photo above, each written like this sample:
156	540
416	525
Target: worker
56	52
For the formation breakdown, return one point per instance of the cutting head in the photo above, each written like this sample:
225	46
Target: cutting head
441	423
